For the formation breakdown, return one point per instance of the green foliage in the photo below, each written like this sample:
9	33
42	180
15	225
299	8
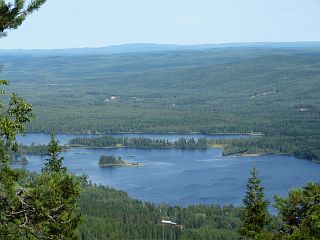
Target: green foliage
273	91
109	141
111	214
54	163
301	212
31	206
11	204
12	14
13	118
54	199
41	207
34	149
255	216
110	160
308	148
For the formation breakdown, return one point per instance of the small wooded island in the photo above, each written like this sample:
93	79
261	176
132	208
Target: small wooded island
114	161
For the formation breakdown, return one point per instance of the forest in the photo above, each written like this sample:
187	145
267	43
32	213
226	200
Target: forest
271	91
310	149
109	141
112	214
33	149
299	147
224	90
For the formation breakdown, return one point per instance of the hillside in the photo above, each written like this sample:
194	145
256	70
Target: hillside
269	90
111	214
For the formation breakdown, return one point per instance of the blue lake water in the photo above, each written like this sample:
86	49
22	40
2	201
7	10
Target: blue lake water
183	177
43	138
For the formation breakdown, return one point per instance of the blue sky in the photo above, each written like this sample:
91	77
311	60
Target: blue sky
96	23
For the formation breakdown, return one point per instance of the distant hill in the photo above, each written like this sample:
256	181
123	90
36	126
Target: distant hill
151	47
269	88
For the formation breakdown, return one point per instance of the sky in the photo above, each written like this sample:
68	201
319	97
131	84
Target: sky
98	23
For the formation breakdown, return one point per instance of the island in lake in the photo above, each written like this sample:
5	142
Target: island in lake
114	161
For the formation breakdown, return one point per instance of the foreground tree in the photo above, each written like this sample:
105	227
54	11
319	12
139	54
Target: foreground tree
55	194
255	214
13	13
39	206
300	212
16	112
32	206
14	115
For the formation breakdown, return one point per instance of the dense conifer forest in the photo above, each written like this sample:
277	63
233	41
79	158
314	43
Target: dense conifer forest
272	91
109	141
229	90
300	147
254	145
111	214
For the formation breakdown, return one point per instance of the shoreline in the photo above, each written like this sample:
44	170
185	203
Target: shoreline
252	154
125	164
118	147
158	133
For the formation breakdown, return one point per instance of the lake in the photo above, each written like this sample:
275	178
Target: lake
43	138
182	176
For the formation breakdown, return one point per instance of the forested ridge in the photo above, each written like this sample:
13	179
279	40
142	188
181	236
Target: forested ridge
235	90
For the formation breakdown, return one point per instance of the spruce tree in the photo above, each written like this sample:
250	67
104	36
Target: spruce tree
255	214
54	163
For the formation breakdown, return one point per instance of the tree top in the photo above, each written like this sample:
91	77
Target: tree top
13	13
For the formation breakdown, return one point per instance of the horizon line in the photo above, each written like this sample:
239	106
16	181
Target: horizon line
161	44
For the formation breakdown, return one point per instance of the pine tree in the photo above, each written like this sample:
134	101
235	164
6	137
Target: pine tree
38	207
255	214
300	212
12	14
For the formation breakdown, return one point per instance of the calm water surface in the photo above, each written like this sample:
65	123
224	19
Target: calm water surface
43	138
184	177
